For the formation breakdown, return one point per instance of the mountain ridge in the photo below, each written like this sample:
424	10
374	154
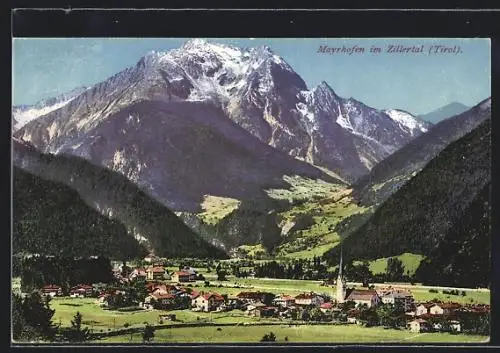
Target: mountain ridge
256	88
415	218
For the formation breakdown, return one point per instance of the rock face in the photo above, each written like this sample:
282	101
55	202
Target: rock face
253	89
23	114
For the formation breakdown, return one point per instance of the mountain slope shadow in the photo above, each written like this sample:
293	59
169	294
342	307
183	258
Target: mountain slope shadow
115	196
50	218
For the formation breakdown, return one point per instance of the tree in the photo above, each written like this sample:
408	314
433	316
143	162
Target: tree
385	313
148	334
138	291
32	318
76	333
369	317
316	314
363	273
305	315
221	275
395	269
21	330
269	337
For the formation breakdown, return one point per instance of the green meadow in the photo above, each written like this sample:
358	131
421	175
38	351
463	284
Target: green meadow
295	334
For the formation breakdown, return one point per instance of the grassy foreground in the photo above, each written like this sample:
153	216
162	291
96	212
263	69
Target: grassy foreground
98	319
305	334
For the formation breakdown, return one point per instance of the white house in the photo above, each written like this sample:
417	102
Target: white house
309	299
403	298
423	309
284	301
418	325
208	301
362	297
444	308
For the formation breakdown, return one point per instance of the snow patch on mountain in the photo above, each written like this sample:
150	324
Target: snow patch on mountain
24	116
406	120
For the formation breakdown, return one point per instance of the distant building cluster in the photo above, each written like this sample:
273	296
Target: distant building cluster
173	291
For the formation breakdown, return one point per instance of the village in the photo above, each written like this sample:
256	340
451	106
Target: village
153	288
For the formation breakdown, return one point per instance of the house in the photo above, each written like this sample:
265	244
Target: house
423	309
368	297
163	289
208	301
284	301
151	285
263	311
160	301
250	308
193	274
254	297
444	308
81	291
181	276
139	273
155	273
233	302
326	307
418	325
456	325
102	299
398	297
309	299
51	290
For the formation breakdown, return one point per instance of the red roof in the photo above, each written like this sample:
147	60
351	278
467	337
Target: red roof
156	269
216	296
182	273
326	306
252	295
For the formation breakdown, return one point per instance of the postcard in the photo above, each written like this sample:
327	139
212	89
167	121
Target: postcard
251	190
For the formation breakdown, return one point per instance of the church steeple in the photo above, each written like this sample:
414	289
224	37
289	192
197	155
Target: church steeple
340	297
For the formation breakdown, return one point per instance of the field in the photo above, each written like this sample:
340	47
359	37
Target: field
295	334
98	318
101	320
410	263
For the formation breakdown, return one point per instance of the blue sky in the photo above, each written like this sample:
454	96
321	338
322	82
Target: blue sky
418	83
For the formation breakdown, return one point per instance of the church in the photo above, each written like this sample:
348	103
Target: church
341	284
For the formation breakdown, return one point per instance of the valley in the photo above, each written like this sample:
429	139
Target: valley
208	175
